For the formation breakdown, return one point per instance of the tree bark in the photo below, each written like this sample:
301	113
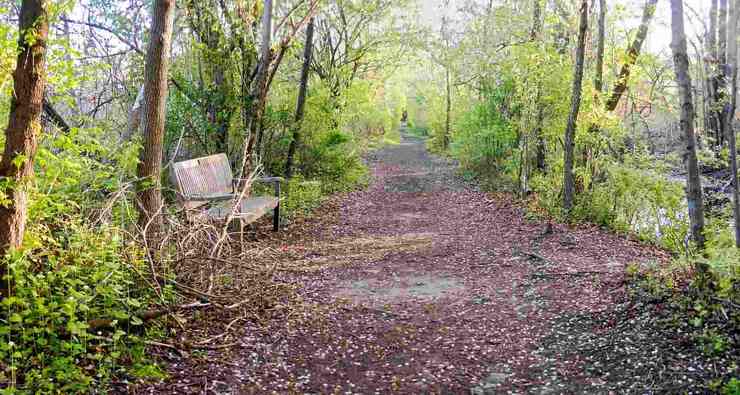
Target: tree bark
133	125
632	53
301	102
599	76
24	124
541	150
536	20
217	111
720	95
722	33
575	104
448	109
258	93
149	195
730	71
683	78
562	30
711	120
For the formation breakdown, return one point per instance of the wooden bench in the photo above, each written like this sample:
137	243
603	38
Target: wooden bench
207	190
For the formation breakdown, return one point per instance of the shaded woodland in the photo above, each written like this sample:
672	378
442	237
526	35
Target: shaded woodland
621	116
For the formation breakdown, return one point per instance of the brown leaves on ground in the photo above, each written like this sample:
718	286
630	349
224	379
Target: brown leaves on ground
422	284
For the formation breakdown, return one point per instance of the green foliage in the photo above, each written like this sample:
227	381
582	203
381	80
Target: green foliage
80	273
485	142
334	162
635	196
366	110
437	122
75	264
300	197
732	387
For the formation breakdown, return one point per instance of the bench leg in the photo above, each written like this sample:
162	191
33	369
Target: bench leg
241	233
276	213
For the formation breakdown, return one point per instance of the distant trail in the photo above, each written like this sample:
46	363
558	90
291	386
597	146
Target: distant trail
423	284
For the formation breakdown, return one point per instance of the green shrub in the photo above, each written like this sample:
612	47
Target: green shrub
485	143
635	196
301	196
334	161
78	274
75	266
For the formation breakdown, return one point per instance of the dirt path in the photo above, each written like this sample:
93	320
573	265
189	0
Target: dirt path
422	284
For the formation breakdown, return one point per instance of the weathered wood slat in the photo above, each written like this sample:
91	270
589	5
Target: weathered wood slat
251	209
206	191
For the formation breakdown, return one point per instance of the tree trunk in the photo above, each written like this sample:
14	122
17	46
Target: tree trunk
149	170
134	116
258	93
448	109
575	104
632	53
599	76
541	152
710	96
536	20
562	29
541	149
720	95
683	78
24	125
722	33
729	115
217	112
594	129
301	102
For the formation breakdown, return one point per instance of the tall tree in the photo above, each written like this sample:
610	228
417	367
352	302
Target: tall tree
722	32
633	52
445	33
258	95
711	119
683	78
149	196
730	77
569	187
24	127
720	94
301	102
448	109
599	76
534	33
598	84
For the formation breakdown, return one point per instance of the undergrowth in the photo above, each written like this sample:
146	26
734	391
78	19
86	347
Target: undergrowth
77	265
500	141
703	306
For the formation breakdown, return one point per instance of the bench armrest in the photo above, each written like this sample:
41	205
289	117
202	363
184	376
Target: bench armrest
207	197
271	180
263	179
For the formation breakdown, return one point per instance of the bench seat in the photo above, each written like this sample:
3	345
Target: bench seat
206	191
252	209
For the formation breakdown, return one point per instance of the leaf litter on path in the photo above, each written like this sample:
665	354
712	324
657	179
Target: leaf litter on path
423	284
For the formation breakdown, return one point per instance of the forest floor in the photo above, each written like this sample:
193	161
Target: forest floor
421	283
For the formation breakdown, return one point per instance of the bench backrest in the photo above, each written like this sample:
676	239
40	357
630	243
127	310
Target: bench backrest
202	176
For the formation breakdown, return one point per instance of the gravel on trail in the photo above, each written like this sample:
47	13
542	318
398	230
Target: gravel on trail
422	283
